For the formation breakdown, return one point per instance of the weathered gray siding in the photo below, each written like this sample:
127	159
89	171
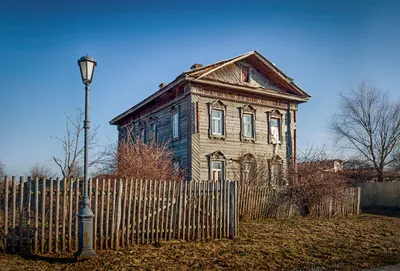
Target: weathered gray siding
232	146
163	119
232	74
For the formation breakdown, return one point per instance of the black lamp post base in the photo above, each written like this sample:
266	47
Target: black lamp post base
85	232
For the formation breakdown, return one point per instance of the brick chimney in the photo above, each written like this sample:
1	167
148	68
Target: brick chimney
196	66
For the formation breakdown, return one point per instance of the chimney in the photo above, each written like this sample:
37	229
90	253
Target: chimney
196	66
162	85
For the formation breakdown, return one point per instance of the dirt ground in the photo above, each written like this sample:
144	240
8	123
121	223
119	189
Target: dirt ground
349	243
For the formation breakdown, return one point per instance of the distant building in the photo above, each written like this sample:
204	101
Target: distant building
217	114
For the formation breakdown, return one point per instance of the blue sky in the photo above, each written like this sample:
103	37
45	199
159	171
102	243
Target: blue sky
326	46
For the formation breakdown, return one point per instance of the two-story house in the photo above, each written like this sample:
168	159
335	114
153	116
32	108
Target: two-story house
218	114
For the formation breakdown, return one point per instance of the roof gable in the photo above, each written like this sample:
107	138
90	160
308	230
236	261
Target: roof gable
232	74
263	74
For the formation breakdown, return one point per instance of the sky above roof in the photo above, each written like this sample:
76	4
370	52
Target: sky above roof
325	46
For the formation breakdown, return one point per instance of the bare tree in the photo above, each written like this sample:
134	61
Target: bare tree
40	171
134	158
72	143
368	122
315	180
2	172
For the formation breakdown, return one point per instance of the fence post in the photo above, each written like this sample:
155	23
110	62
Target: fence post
232	209
21	212
14	212
28	214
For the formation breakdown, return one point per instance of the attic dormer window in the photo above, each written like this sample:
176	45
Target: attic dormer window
245	74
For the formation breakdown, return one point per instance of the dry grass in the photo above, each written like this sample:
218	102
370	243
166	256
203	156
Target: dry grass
351	243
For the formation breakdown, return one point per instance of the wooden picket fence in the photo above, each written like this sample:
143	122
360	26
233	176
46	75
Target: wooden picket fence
261	202
41	215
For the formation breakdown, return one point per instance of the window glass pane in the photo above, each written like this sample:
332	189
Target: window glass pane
274	122
245	74
248	125
175	125
217	122
217	165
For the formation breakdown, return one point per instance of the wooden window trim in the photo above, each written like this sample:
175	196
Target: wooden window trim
274	114
248	110
242	67
217	105
175	110
216	156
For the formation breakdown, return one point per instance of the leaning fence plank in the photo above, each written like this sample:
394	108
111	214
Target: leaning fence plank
125	198
189	209
107	212
114	214
21	212
167	209
28	213
138	213
101	245
64	213
128	223
76	213
96	213
179	210
148	212
14	212
36	233
198	210
228	210
50	240
184	210
194	211
221	201
43	211
6	189
171	219
70	215
212	209
134	219
159	206
118	218
154	197
203	208
162	210
144	211
56	224
207	205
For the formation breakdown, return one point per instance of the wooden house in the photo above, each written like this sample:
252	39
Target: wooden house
219	114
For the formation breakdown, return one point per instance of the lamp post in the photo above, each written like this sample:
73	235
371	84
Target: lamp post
85	216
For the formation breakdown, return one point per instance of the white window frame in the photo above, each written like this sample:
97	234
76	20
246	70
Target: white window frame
276	129
219	121
275	115
247	110
249	132
216	158
217	171
175	125
217	106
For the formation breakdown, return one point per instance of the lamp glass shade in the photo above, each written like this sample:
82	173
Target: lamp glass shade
87	65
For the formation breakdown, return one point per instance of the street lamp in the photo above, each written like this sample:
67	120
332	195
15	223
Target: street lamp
85	216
